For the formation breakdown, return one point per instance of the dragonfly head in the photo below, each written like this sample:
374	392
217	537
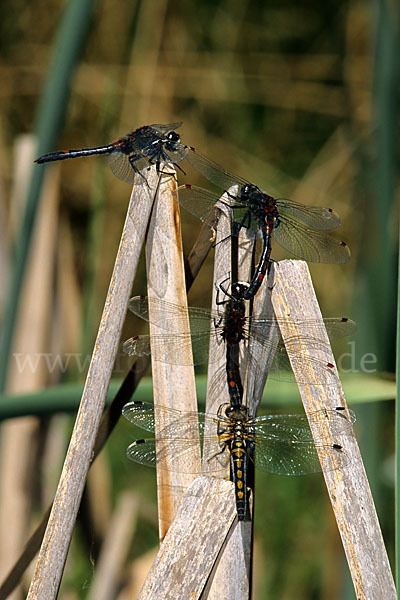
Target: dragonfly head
171	140
239	289
248	190
238	413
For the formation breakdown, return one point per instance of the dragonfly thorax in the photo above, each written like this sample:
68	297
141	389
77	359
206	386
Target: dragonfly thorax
262	206
143	139
235	319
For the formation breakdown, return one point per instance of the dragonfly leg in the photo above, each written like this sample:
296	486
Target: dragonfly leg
221	287
168	173
224	446
132	159
180	168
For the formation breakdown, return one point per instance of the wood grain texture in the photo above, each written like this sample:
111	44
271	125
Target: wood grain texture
217	389
174	385
254	380
293	296
53	552
230	578
193	542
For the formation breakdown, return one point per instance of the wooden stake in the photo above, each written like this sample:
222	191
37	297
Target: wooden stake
293	297
231	572
174	385
192	544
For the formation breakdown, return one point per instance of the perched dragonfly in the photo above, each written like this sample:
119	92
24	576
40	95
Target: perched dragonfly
296	227
280	444
137	150
172	348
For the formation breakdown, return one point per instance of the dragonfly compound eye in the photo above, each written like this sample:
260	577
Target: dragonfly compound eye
248	190
239	289
172	139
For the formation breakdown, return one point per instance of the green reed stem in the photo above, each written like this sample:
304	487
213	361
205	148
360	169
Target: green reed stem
72	34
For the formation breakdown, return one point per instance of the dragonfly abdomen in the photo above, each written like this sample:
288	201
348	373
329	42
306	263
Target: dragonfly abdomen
239	462
63	155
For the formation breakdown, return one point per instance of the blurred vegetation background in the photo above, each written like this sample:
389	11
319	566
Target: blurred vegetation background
301	99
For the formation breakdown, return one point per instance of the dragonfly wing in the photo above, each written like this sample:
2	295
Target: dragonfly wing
316	371
199	203
263	336
339	422
285	427
171	347
140	414
217	383
138	345
336	327
296	427
162	128
175	154
168	314
339	328
174	348
314	216
213	172
143	452
139	305
122	167
202	204
173	423
294	457
309	244
265	345
150	452
311	370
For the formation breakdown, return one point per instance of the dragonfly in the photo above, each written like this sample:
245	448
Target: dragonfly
136	151
279	444
296	227
172	348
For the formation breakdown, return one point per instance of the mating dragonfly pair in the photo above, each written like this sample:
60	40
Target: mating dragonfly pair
280	444
298	228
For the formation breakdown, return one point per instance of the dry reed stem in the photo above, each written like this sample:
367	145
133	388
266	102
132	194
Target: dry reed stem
18	435
115	548
99	496
54	549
